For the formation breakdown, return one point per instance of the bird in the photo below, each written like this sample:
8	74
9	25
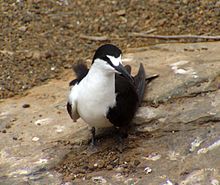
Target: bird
106	95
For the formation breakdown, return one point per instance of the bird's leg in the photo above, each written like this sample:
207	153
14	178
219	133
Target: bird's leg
93	141
122	134
91	149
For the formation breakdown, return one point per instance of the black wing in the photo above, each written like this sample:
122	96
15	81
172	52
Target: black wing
81	71
129	96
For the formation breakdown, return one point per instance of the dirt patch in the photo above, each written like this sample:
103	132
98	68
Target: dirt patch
84	161
38	39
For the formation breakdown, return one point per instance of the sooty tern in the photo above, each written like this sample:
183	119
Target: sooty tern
106	95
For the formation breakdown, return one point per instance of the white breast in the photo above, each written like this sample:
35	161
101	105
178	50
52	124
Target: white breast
96	93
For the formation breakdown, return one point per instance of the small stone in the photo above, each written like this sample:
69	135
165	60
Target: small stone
26	105
147	170
7	126
4	131
15	138
95	165
205	47
109	167
136	162
121	12
35	139
153	157
22	28
99	180
52	68
189	49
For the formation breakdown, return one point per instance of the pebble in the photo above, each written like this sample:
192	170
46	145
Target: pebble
153	157
109	167
99	180
22	28
147	170
26	105
7	126
35	139
136	162
121	12
15	138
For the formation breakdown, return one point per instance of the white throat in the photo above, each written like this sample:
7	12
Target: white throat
97	95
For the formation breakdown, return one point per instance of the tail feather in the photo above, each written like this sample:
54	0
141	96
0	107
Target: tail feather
139	81
128	68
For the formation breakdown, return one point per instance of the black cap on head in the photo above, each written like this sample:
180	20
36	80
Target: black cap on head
107	49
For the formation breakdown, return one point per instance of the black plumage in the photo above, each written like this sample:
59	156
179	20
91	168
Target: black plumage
128	98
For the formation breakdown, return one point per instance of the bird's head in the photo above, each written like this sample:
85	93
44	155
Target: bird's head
108	58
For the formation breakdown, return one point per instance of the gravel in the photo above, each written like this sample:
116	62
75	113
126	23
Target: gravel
39	39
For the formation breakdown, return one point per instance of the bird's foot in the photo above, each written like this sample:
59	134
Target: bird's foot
122	135
92	148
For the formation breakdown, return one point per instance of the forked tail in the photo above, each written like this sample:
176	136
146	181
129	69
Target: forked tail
139	80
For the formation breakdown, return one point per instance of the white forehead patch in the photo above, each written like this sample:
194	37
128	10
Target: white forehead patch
115	61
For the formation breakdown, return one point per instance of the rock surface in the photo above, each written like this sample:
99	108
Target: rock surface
175	139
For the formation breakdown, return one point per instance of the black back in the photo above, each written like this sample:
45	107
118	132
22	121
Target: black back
126	102
128	99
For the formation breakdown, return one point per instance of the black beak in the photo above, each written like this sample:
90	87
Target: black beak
121	69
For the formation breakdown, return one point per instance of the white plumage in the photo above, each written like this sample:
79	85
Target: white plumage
94	95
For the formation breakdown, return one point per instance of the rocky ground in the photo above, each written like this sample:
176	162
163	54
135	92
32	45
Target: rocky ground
175	138
39	39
